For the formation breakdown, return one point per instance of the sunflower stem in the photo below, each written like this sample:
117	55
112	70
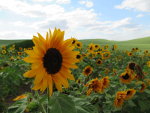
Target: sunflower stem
48	101
41	105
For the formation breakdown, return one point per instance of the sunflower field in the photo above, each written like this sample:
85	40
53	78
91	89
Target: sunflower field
68	76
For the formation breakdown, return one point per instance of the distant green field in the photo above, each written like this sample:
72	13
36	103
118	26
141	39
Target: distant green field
142	43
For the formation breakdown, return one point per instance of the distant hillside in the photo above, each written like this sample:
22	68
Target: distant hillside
141	43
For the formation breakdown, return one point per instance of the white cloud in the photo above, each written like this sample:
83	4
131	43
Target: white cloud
78	22
86	3
139	5
139	15
56	1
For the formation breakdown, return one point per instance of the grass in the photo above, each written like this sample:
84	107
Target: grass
142	43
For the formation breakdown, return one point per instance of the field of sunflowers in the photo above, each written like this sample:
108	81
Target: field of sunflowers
67	76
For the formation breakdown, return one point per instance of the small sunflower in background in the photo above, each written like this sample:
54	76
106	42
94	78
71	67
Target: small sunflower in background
94	85
131	66
3	47
79	57
130	94
51	58
97	46
98	52
91	48
4	52
119	99
148	63
87	70
78	45
105	82
126	77
146	52
105	55
130	53
99	61
20	97
115	47
19	53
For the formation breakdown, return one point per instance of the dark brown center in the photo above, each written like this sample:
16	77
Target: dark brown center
126	76
52	61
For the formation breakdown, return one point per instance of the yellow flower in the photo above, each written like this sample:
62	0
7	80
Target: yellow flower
3	47
146	52
19	53
91	48
51	60
87	70
4	52
78	44
148	63
79	57
130	94
115	47
99	61
11	58
129	53
97	46
20	97
105	55
126	77
94	85
119	99
105	82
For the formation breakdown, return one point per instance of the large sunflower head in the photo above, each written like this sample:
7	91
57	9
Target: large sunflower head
51	60
126	77
130	94
87	70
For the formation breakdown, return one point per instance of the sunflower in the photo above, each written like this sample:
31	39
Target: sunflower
78	44
4	52
87	70
79	57
19	53
143	87
131	66
96	46
114	47
130	94
73	41
99	61
20	48
129	53
119	99
126	77
148	63
105	82
98	52
105	55
20	97
94	85
146	52
91	48
3	47
51	60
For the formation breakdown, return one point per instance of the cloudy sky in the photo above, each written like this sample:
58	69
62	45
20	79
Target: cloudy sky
82	19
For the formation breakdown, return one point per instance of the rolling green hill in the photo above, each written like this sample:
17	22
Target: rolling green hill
141	43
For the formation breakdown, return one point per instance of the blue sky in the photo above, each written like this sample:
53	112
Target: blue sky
82	19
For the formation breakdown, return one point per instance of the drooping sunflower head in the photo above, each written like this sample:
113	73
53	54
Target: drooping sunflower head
105	82
131	66
51	60
119	99
95	85
130	94
87	70
143	87
126	77
99	61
